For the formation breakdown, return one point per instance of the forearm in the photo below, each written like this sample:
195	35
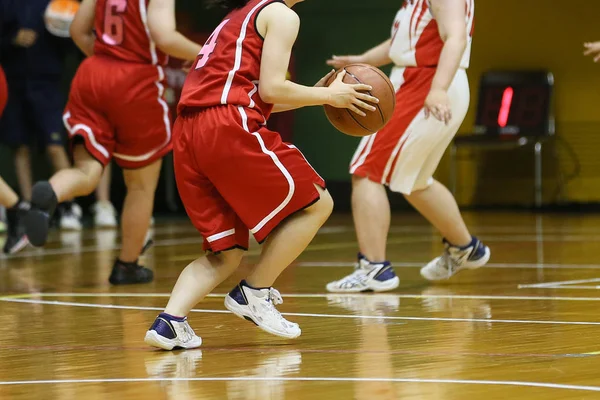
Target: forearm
290	95
379	55
178	46
277	108
449	62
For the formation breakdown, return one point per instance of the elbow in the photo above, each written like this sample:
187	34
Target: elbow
268	93
163	40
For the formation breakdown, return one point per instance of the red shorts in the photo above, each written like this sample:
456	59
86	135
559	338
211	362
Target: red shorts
3	91
236	176
118	109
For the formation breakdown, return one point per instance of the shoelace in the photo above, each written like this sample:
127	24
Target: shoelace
356	278
272	300
187	331
275	297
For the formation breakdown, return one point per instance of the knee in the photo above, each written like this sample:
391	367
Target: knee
419	188
55	150
324	207
231	257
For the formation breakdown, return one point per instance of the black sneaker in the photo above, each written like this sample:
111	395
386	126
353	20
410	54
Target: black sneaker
16	238
37	220
129	273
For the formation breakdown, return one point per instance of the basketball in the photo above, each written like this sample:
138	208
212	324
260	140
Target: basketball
353	124
59	15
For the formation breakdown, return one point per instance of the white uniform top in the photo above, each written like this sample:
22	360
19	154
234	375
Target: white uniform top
416	40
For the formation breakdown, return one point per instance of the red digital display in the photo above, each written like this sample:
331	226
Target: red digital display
514	108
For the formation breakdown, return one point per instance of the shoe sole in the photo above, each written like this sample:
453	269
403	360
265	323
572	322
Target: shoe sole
374	286
239	311
153	339
37	224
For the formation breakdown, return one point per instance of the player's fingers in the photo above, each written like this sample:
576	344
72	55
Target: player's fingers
366	97
363	105
356	110
597	58
361	87
340	77
427	112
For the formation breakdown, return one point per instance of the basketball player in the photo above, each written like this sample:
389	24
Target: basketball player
234	175
116	109
430	46
15	208
592	49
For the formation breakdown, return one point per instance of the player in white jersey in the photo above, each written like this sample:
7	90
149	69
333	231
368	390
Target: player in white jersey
430	45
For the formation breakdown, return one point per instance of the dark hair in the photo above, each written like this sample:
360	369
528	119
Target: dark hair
227	4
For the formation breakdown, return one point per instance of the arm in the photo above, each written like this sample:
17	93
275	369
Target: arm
279	25
450	17
378	56
287	107
592	49
161	21
82	27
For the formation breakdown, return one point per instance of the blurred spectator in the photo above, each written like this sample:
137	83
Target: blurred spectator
33	59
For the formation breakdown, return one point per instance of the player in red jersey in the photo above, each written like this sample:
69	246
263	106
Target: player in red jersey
235	176
116	109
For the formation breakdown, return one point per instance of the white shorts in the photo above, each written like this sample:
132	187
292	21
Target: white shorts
406	152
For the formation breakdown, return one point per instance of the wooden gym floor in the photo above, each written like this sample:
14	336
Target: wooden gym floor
526	327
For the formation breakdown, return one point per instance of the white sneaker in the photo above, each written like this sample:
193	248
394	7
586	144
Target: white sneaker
168	334
70	220
367	277
258	306
105	215
456	259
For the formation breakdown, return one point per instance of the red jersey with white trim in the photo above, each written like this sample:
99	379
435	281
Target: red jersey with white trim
122	32
227	69
416	40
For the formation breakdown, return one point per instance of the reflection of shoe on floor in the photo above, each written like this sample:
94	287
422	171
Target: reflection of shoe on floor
370	304
439	299
105	215
455	259
169	364
367	277
276	366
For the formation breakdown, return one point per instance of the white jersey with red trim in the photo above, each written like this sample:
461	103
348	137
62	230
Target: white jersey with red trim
416	40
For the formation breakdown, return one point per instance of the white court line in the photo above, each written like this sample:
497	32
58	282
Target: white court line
572	287
321	295
310	379
559	283
397	264
391	318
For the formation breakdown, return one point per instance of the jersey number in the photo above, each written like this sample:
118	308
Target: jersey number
209	46
113	22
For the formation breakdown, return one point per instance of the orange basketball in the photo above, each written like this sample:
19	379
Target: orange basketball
59	15
353	124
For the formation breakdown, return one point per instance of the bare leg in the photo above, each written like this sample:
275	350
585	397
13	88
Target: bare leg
103	190
137	210
23	171
199	278
437	204
58	157
289	240
371	212
80	180
8	197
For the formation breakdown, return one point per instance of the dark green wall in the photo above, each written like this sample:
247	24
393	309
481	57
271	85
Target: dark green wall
333	27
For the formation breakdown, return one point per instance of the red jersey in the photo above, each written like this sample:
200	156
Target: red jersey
227	69
122	32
